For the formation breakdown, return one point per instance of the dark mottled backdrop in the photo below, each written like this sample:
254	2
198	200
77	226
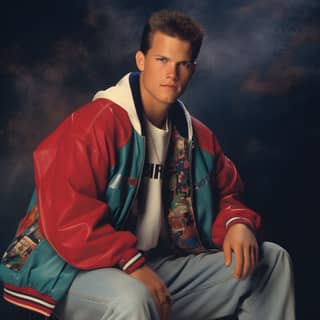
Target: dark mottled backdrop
256	86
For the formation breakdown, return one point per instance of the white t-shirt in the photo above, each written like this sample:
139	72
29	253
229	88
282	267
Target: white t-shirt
150	206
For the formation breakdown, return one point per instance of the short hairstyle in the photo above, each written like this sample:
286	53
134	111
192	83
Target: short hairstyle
175	24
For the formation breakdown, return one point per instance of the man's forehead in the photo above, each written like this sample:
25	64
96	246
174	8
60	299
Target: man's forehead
169	46
158	35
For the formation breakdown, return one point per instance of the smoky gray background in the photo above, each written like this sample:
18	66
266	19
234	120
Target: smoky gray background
256	86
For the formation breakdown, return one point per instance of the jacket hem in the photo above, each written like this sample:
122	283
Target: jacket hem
30	299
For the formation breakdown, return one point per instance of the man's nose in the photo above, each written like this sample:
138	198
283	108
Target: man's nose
172	70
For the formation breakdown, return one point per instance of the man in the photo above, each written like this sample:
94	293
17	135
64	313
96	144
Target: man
134	200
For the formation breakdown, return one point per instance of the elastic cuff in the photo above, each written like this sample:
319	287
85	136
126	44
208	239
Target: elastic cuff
241	220
133	262
29	298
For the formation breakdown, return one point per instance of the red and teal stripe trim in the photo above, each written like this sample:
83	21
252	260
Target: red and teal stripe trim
30	299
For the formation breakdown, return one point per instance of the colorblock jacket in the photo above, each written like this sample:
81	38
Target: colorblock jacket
87	176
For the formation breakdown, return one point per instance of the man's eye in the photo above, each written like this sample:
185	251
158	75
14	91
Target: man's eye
162	59
186	64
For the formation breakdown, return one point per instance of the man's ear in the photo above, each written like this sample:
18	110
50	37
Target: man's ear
140	60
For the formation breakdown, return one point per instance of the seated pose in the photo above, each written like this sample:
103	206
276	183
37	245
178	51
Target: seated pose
137	212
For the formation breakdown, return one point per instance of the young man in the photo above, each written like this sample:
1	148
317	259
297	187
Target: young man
137	212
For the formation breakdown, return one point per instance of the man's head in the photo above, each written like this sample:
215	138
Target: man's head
166	61
174	24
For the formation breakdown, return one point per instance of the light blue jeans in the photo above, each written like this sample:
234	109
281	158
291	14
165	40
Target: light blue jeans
201	288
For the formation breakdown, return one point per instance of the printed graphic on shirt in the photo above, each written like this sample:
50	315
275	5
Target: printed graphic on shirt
150	204
153	171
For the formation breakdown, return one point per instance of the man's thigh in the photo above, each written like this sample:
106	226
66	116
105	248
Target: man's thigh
201	286
106	293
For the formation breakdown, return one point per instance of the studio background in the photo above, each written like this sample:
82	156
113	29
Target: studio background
256	86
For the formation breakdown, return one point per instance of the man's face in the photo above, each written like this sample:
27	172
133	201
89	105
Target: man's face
165	70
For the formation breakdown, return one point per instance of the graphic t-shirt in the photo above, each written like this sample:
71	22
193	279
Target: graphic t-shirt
150	206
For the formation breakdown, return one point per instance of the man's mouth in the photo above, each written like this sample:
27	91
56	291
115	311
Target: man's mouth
172	86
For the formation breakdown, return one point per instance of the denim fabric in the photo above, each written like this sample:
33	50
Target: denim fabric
201	287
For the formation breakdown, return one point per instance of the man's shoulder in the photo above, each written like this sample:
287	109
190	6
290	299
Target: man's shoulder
101	114
205	137
200	127
96	118
97	112
98	107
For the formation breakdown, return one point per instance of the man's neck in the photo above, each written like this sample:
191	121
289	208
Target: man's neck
156	117
155	111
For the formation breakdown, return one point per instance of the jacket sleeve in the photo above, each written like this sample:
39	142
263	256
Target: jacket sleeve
231	210
70	174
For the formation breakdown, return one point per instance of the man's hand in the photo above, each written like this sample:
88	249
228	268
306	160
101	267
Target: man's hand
158	289
243	243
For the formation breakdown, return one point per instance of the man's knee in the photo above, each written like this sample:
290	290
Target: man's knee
137	301
274	254
123	298
273	249
137	294
132	302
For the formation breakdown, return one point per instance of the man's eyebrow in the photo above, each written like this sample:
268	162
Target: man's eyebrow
163	56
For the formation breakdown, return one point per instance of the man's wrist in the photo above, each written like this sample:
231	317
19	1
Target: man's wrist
130	262
240	220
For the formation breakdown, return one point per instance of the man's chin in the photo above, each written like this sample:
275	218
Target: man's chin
171	100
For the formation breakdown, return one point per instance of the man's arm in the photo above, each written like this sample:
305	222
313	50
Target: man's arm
71	169
241	240
236	225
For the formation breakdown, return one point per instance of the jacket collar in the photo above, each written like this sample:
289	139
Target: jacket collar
126	93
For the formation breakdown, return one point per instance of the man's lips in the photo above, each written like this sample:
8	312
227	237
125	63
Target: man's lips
172	86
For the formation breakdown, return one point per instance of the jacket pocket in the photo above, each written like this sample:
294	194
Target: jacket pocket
26	239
